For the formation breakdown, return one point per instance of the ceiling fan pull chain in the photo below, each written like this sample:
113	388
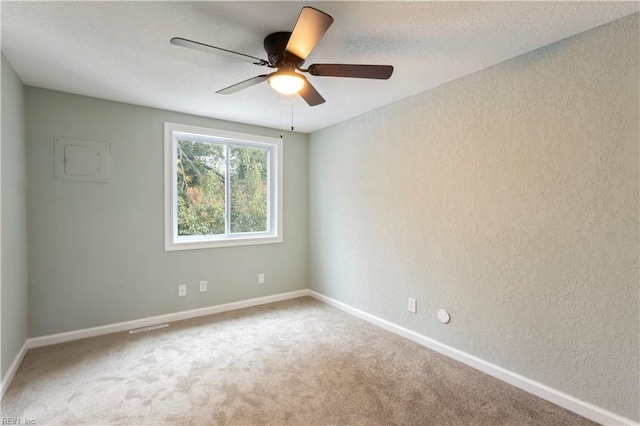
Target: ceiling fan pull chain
282	106
291	113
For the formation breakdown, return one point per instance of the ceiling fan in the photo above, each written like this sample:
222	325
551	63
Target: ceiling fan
287	51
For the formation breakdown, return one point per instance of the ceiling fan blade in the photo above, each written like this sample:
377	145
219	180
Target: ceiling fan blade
183	42
242	85
310	27
310	94
380	72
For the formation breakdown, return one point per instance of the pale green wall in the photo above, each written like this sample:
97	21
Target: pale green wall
97	250
13	254
508	197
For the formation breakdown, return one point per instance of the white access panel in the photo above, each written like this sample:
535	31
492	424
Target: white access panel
81	160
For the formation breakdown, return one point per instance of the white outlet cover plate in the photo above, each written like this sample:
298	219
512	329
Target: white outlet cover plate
443	316
203	286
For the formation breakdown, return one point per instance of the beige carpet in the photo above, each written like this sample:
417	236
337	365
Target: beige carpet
296	362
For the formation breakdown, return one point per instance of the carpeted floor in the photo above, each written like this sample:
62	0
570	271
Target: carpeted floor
297	362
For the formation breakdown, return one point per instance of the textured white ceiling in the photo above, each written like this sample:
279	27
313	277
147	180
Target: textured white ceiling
120	50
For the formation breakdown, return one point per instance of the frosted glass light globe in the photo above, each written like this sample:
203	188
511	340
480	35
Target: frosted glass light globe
286	83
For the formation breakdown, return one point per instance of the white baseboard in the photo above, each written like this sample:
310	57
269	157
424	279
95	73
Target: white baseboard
145	322
13	368
554	396
128	325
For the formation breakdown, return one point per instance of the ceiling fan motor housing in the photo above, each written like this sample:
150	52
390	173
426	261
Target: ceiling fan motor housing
275	45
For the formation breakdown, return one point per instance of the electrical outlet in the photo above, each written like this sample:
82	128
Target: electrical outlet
203	286
182	290
260	278
412	305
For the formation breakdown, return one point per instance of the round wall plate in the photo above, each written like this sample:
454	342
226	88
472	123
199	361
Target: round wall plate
443	316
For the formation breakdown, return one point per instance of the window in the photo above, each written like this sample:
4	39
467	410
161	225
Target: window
221	188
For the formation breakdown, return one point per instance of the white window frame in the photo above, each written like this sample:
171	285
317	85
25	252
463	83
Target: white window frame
172	240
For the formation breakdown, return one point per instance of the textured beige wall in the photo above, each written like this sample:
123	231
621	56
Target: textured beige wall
96	251
509	197
14	275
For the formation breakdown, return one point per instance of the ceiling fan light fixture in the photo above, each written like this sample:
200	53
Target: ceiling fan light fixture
286	52
286	83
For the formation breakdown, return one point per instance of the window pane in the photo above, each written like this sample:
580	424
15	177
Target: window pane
248	179
201	171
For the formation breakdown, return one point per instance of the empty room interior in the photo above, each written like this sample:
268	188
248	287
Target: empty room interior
320	213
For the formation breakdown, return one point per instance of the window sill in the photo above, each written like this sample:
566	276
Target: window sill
194	244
